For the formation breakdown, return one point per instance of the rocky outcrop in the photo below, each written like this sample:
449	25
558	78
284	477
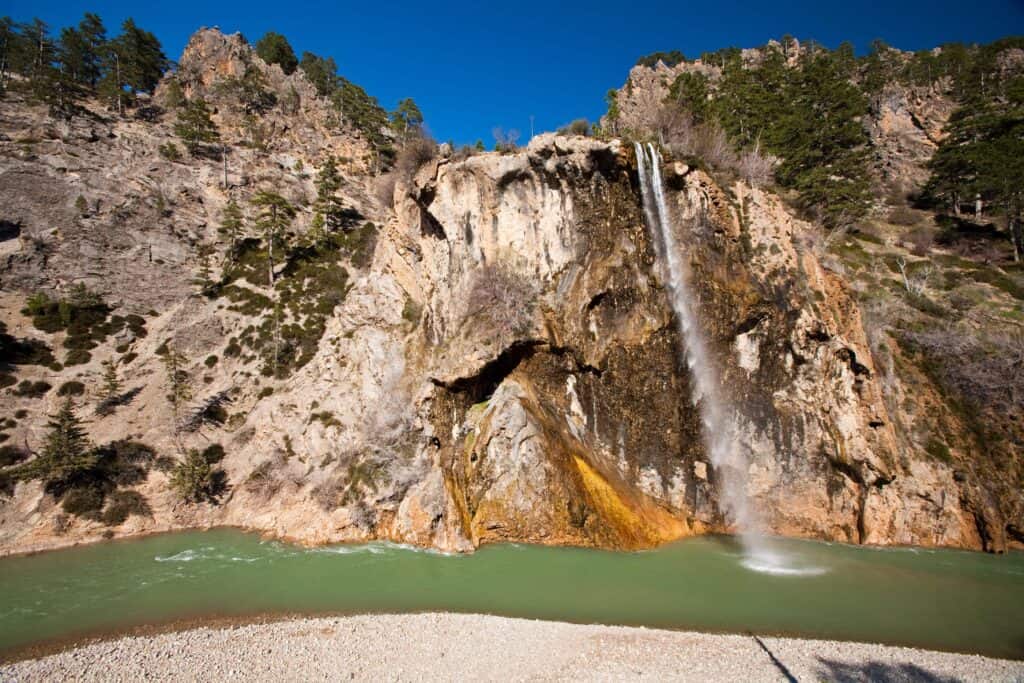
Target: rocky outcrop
906	126
499	364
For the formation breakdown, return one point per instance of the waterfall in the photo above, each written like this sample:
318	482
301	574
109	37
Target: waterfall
719	429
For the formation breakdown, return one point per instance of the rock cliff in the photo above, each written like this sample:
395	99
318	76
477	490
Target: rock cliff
497	360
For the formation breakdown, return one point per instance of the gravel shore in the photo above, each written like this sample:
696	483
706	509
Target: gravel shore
473	647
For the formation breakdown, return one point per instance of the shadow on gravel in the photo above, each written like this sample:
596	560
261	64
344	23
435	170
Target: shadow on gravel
775	660
877	672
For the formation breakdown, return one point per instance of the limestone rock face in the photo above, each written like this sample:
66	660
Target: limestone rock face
503	363
906	127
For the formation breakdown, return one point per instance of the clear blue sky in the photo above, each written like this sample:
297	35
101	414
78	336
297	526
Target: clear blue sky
474	66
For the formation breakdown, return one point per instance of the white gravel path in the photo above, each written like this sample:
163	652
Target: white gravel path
450	647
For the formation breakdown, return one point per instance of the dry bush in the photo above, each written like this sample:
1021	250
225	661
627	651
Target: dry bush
504	298
903	215
416	152
986	372
384	189
464	152
266	479
756	168
921	239
505	140
707	141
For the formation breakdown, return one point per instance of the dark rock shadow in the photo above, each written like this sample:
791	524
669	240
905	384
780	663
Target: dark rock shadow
878	672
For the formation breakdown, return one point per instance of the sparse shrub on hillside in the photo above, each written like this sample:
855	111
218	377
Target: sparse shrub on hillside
174	96
122	504
576	127
169	151
416	152
921	240
384	189
503	299
28	389
77	357
670	59
248	91
982	372
937	449
71	388
84	501
756	168
195	480
83	314
266	479
14	351
505	140
902	215
12	455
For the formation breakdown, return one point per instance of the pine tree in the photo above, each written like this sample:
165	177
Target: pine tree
232	222
822	141
328	206
276	215
273	48
174	96
611	98
193	478
204	277
691	91
81	50
143	61
36	51
9	42
274	218
111	382
195	127
67	454
407	118
179	391
322	73
983	155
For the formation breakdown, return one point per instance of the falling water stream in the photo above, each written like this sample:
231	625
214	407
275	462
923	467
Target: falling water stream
718	421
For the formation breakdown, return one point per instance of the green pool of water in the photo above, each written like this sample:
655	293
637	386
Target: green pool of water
948	600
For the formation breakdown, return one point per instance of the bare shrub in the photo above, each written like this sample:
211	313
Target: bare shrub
265	480
384	189
756	168
505	140
711	144
464	152
684	137
576	127
986	371
503	298
921	240
416	152
903	215
914	282
819	242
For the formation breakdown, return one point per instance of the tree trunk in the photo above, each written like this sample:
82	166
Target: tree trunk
270	275
1016	236
117	83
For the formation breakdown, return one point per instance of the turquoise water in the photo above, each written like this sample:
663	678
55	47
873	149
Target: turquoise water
939	599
